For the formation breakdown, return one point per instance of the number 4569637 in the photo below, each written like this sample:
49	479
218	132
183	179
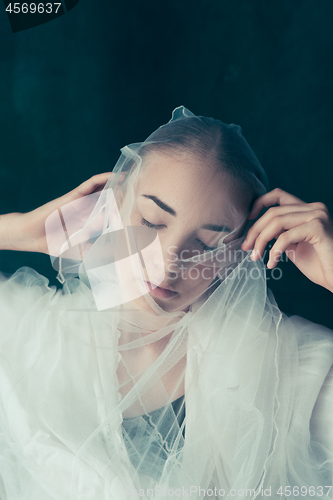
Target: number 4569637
303	491
32	8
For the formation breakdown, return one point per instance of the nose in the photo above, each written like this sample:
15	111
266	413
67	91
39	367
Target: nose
172	250
161	262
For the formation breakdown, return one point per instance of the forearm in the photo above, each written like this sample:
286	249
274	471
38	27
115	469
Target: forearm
9	233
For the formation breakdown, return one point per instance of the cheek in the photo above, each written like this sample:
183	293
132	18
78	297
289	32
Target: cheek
199	277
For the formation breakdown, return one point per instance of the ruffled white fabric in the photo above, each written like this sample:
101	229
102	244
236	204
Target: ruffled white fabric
258	415
88	373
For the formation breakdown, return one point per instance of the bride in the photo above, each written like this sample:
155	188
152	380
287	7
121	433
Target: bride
164	367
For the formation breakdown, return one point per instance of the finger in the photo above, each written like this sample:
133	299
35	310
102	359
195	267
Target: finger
284	223
94	183
287	241
275	197
282	218
87	187
84	189
278	226
90	186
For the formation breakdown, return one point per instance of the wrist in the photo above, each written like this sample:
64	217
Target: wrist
10	231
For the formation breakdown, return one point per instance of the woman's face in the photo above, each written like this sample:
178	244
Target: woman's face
191	206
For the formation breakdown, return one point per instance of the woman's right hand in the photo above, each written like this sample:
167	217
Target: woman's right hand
26	231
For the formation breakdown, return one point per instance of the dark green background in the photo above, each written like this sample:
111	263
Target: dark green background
77	89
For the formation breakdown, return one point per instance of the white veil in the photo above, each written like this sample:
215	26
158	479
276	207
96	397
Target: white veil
101	424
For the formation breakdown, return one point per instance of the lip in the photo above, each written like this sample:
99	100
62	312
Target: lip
164	293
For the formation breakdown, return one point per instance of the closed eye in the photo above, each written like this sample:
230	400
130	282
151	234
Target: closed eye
205	247
145	222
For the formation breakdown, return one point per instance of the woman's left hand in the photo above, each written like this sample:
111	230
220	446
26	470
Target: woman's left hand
304	231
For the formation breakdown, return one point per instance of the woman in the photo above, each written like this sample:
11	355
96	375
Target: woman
166	368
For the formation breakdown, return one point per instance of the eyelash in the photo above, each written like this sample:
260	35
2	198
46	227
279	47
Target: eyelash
144	222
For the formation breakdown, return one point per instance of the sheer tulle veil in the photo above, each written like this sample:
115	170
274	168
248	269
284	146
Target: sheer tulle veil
250	375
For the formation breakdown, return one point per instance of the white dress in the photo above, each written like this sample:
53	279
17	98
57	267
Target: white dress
57	390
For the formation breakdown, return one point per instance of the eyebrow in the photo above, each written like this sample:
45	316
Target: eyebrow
164	206
213	227
161	204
